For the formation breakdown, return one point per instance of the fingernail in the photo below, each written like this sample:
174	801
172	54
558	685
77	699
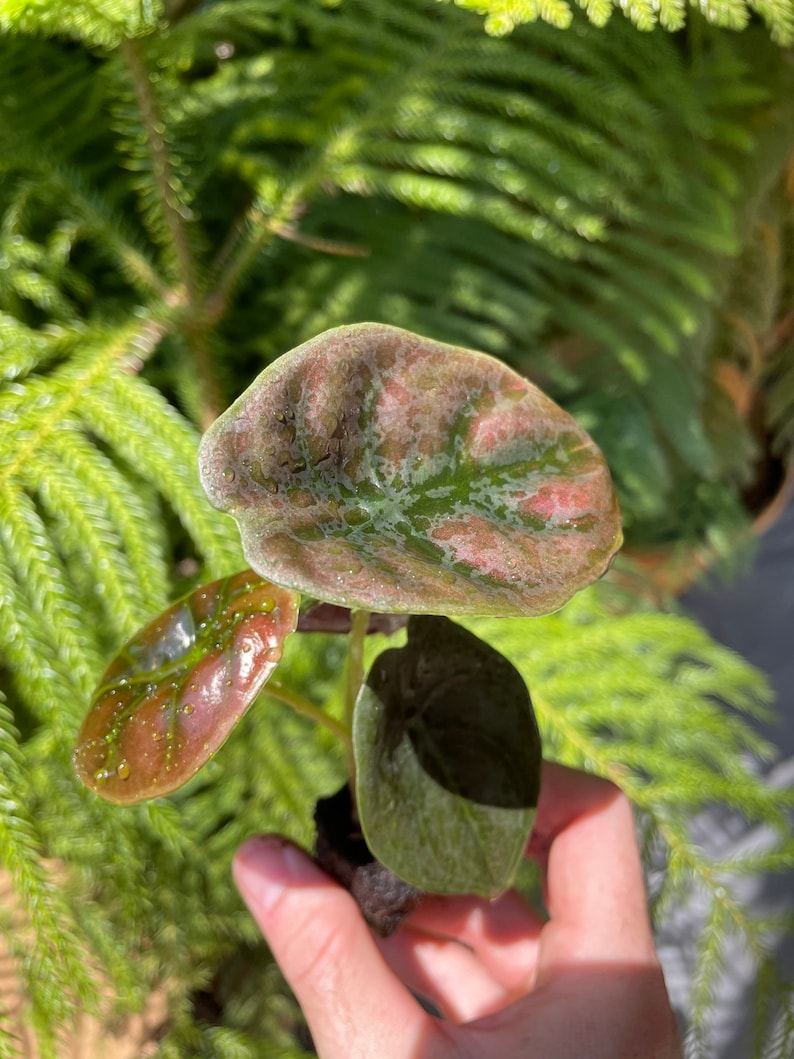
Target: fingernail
265	866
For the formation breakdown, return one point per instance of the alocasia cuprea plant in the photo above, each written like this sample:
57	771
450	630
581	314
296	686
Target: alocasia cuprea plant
377	473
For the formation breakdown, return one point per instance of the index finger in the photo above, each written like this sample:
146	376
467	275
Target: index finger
595	891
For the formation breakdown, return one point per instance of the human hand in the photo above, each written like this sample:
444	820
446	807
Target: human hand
586	984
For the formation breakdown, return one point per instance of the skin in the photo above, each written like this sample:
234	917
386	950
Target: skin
584	982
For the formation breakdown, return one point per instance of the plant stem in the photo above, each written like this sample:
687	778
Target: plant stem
359	623
162	169
308	709
189	298
354	678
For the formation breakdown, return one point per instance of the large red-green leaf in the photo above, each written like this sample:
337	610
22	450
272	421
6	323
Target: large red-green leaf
172	695
373	468
448	761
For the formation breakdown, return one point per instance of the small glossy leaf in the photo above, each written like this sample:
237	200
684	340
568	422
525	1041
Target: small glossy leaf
447	755
170	698
373	468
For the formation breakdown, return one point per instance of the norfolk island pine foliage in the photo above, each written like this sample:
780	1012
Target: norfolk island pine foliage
107	215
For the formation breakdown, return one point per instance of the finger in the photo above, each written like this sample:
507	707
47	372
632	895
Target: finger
595	887
327	954
503	934
444	972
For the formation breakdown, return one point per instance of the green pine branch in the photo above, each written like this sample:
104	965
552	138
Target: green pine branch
102	23
503	16
80	486
49	955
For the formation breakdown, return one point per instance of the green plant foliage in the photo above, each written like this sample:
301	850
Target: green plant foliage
377	469
755	332
553	162
95	22
447	202
502	16
82	492
188	190
447	758
57	982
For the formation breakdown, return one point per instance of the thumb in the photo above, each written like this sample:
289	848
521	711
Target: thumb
352	1001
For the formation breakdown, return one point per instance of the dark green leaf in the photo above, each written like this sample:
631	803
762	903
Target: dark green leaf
373	468
170	698
447	761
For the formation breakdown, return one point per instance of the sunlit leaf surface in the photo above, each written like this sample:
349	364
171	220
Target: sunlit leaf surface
447	761
170	698
373	468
